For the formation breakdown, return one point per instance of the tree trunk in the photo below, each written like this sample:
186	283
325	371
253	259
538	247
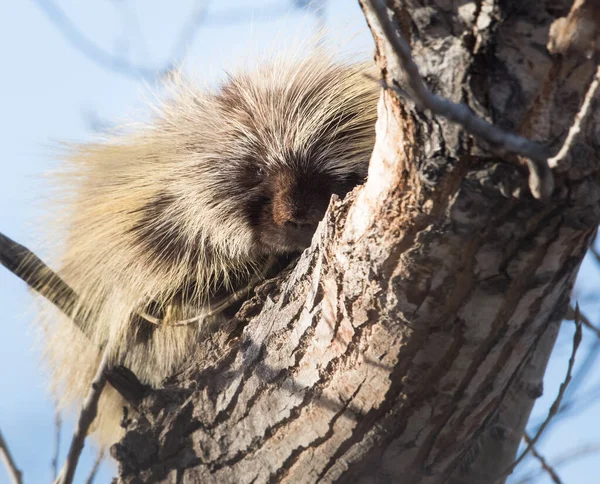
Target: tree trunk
408	344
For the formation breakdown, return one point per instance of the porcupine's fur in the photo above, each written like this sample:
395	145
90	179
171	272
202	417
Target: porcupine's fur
190	204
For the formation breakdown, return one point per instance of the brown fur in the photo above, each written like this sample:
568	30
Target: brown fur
167	215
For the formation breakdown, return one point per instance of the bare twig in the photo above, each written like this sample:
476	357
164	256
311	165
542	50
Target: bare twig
197	17
86	417
556	404
267	11
578	402
31	269
554	161
94	471
27	266
541	181
572	314
116	64
57	429
547	467
15	474
581	403
565	457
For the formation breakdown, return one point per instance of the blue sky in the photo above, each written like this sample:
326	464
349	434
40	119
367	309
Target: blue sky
50	91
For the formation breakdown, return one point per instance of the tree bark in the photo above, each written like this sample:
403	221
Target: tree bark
409	343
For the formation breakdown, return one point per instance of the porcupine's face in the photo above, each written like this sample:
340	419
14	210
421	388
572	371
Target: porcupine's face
294	146
285	204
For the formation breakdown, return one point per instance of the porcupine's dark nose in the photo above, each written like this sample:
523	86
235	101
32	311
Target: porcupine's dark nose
297	211
300	225
301	212
299	204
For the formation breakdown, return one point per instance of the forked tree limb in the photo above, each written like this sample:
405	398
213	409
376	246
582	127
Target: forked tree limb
540	177
569	457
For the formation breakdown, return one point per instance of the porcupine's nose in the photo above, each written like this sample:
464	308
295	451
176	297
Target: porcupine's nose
299	203
293	215
301	211
296	212
300	225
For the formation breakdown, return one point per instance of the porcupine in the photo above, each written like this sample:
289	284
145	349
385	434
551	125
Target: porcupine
164	219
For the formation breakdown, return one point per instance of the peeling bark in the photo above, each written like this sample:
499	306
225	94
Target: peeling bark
408	344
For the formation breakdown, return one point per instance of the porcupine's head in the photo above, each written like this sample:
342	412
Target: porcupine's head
278	142
298	134
248	170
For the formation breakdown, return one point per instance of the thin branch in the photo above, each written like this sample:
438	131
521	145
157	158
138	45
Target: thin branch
541	181
31	269
547	467
186	37
595	253
94	471
88	413
554	161
36	274
197	17
556	405
57	429
572	314
578	402
232	16
564	458
117	64
15	474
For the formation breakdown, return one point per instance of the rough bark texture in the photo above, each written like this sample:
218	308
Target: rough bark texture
409	343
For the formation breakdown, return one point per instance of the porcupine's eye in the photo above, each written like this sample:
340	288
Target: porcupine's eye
252	174
355	179
347	183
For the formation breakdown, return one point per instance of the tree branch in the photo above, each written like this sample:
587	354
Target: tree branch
11	468
565	457
574	314
555	161
545	466
57	429
38	276
541	182
95	467
86	417
118	64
